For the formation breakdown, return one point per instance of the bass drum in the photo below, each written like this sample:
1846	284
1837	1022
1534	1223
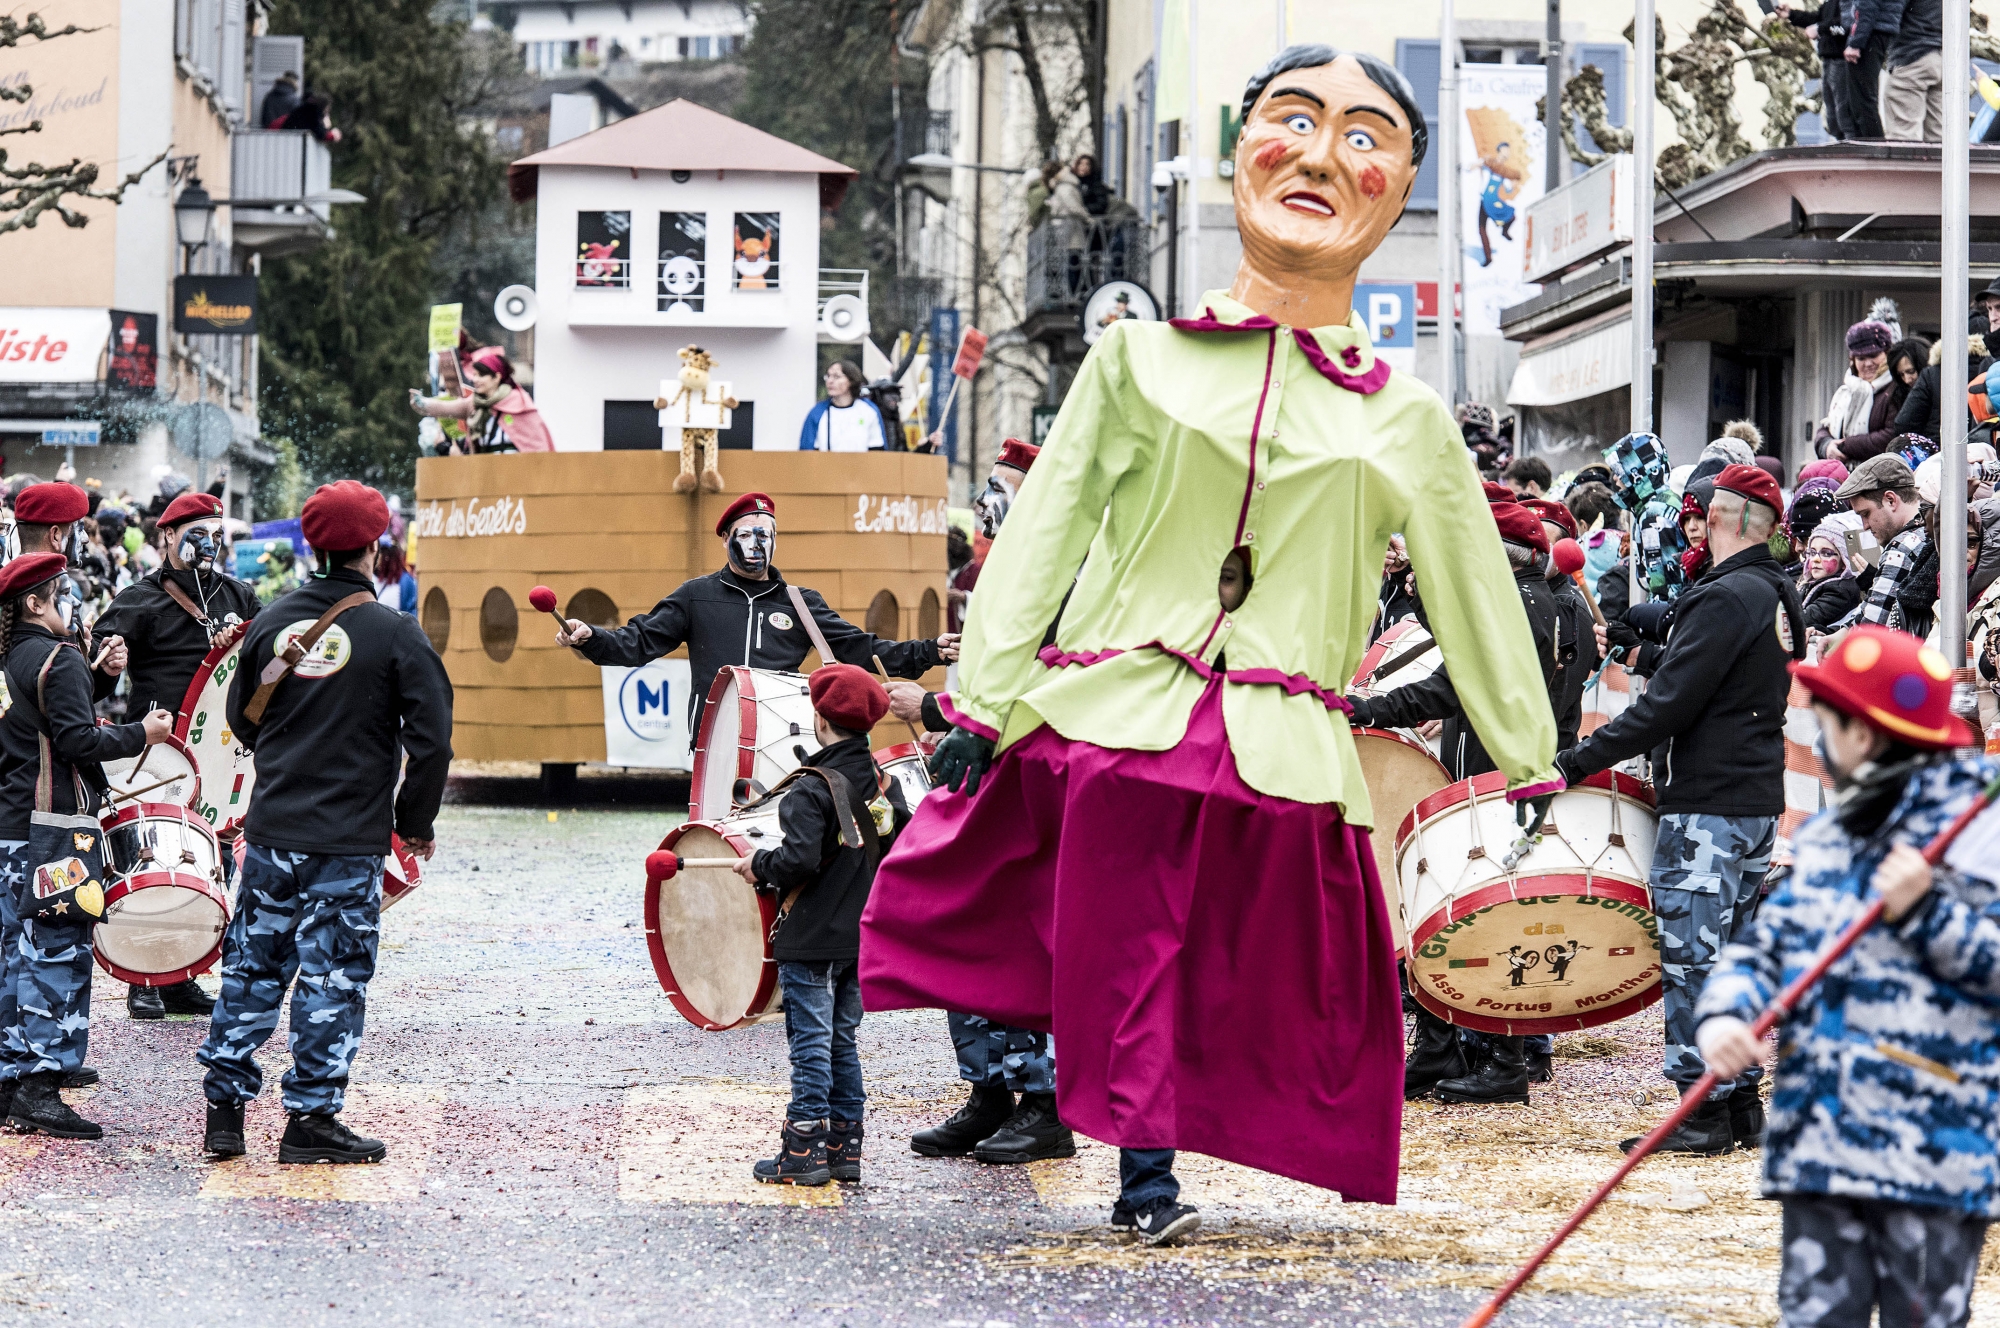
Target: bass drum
402	873
226	769
166	911
709	931
1565	940
758	724
909	765
1400	773
1403	654
164	772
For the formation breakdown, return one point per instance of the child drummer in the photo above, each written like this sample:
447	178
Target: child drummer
1884	1135
838	819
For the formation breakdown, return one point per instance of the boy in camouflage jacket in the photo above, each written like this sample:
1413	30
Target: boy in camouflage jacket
1884	1138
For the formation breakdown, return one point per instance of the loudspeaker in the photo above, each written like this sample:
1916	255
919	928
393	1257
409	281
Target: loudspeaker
516	308
844	318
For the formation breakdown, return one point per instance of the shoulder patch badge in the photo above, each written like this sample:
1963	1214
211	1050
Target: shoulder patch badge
781	621
1784	628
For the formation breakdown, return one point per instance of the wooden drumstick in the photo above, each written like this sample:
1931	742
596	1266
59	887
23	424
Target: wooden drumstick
727	864
127	797
885	679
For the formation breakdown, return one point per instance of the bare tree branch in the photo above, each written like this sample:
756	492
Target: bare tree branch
27	192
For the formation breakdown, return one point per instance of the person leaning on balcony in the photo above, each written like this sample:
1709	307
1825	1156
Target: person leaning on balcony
1913	86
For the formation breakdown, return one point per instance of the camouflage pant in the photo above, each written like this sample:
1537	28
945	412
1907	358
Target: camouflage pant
995	1054
1845	1256
45	983
303	915
1708	873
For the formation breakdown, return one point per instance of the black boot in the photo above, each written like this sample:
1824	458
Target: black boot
1435	1055
7	1087
81	1077
144	1003
38	1106
1541	1067
986	1110
1706	1132
224	1135
1032	1133
1746	1116
801	1158
1503	1078
843	1149
186	998
313	1136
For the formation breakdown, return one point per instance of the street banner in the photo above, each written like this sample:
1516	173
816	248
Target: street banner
52	345
1501	169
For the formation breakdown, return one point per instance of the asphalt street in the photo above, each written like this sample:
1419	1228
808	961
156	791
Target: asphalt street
564	1148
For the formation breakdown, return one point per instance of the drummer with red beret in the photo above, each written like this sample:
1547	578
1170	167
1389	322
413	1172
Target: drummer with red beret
1579	647
46	518
47	959
747	614
1437	1061
169	619
337	689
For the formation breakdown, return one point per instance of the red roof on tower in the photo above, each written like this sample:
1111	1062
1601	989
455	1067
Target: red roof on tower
681	136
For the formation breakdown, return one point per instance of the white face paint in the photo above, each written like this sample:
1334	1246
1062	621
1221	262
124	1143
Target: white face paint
753	542
198	544
991	506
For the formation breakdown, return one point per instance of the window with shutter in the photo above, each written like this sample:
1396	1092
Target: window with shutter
1609	57
1420	62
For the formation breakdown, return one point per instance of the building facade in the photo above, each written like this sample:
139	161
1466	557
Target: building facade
562	36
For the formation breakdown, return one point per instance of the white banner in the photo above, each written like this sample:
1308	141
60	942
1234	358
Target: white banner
1589	216
52	345
1501	169
646	716
1581	367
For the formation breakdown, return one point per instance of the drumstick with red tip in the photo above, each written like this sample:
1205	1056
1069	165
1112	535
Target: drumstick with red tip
664	866
543	600
1786	1001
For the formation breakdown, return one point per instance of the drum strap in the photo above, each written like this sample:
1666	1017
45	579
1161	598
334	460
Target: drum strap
180	597
280	668
854	832
45	783
811	624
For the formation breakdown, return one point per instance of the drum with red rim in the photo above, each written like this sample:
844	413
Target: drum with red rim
166	910
163	772
909	765
1567	939
227	770
709	931
758	724
402	873
1400	772
1403	654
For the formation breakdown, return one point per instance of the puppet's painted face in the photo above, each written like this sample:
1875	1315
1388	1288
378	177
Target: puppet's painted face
1323	170
990	507
753	541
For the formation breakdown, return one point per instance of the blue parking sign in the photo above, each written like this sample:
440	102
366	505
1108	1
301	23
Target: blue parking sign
1388	310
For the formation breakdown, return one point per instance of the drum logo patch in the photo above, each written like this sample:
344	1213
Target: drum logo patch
329	657
782	621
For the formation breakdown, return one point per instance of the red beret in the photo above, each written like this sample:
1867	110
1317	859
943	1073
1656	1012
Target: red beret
1497	493
29	570
51	504
1519	525
1548	509
849	697
1018	454
1754	483
191	507
344	516
744	506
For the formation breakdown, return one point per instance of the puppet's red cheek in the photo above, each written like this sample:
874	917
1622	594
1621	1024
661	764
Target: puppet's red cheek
1269	155
1372	183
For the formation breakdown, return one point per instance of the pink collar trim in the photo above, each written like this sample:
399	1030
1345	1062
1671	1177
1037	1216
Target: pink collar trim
1367	384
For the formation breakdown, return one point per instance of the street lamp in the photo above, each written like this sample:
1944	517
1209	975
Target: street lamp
194	212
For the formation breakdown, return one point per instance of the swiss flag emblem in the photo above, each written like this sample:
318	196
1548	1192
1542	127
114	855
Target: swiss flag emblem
1619	950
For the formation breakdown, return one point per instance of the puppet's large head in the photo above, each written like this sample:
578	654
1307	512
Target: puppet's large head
1330	147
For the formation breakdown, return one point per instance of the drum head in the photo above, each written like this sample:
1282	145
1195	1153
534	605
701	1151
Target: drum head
160	928
707	930
227	771
1407	648
758	724
1399	775
716	756
907	765
164	772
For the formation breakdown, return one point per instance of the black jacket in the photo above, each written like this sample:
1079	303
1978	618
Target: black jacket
723	619
1637	652
1435	698
1917	28
1832	39
166	643
1714	713
329	747
1922	410
1825	603
825	920
78	742
1576	658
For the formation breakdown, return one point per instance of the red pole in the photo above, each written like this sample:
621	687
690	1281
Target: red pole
1693	1098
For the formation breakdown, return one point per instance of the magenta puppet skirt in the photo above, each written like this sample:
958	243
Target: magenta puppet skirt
1215	964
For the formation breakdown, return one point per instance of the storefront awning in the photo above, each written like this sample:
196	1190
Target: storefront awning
1574	364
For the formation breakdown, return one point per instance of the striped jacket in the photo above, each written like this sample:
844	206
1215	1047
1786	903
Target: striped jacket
1888	1079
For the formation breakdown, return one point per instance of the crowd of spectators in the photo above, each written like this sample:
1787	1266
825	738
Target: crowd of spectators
1881	67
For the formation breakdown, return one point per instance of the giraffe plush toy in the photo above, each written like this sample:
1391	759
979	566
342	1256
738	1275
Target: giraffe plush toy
692	409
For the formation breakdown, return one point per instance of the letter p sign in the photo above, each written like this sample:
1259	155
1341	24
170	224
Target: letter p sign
1385	313
1388	311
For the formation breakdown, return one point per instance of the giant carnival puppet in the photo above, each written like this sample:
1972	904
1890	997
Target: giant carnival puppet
1160	852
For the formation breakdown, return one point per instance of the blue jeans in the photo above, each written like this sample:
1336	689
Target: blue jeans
997	1055
822	1010
1146	1177
307	916
1708	874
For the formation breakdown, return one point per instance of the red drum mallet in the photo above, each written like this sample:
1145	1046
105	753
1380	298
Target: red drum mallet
543	600
1693	1098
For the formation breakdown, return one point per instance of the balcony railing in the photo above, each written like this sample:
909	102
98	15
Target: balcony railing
603	273
1069	257
280	165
